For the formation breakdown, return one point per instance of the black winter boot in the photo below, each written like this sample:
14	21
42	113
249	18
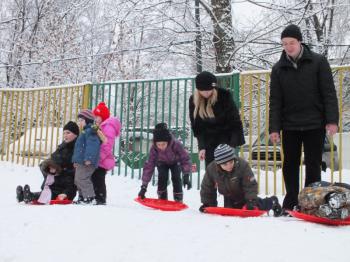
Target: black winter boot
178	197
100	199
163	195
86	201
27	195
19	193
276	207
100	202
89	201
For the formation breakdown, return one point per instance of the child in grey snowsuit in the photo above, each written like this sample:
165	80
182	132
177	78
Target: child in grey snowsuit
85	157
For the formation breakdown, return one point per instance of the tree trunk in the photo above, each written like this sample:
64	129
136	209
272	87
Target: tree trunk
223	35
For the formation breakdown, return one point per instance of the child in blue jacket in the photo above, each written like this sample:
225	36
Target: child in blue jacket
85	157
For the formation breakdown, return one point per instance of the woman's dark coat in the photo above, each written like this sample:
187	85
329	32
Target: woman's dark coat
225	128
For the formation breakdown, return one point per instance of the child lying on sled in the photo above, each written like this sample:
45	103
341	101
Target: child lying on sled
58	172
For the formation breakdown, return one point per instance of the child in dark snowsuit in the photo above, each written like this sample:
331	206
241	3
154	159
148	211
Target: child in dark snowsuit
110	128
166	153
85	158
58	172
234	179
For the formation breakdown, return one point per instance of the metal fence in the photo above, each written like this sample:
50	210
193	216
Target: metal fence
140	105
31	121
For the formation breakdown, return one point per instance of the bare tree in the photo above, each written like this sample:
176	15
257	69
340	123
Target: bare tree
323	24
47	42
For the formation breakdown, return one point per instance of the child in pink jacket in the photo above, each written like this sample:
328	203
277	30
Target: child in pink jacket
110	127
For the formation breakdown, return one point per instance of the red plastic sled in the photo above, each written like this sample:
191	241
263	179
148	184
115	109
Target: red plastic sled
164	205
320	220
54	202
223	211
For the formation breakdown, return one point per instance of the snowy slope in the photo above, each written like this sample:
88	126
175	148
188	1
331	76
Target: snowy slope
126	231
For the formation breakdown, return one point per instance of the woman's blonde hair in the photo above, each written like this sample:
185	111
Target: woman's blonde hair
204	111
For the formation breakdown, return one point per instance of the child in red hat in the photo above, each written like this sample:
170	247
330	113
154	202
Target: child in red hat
110	127
102	111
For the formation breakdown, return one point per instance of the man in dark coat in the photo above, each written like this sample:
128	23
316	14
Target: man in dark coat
303	105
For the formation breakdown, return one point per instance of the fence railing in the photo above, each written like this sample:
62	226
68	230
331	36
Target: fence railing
31	121
142	104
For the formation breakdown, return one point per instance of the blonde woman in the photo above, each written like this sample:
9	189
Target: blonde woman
214	117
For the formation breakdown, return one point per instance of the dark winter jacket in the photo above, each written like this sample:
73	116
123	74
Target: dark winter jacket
87	147
64	181
225	128
239	185
302	98
175	153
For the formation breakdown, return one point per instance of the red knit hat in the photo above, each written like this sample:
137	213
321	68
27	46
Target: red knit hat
101	110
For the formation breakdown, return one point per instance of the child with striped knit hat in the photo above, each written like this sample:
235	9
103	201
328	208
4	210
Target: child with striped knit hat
233	178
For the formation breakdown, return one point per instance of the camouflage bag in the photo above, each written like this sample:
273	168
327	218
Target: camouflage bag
329	201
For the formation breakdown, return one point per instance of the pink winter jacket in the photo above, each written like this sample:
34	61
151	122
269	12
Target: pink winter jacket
111	129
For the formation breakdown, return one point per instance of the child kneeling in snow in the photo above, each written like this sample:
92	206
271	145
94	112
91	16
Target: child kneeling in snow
166	153
234	179
323	199
58	172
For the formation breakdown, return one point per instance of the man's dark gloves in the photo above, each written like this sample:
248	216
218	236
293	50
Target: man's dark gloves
143	192
186	181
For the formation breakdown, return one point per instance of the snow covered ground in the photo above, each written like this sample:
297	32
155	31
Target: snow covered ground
126	231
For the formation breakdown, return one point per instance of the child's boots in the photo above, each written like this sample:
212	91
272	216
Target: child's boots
27	195
19	193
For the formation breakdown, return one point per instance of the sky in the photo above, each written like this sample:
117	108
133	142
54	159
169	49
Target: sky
244	13
123	230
